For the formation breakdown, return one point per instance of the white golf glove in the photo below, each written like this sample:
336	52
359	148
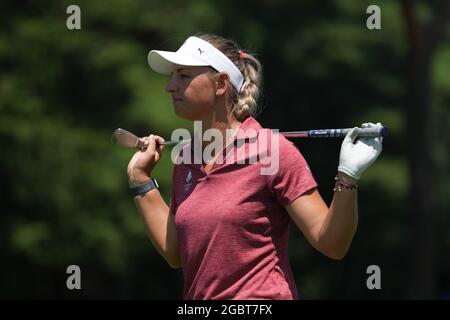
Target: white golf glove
356	158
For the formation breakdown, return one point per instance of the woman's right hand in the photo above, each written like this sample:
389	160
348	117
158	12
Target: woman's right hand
145	159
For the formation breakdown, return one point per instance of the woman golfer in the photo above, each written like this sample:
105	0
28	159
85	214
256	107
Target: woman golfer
227	222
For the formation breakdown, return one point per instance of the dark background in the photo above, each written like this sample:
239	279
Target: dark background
63	186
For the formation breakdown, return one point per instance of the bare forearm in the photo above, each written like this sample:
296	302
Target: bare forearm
160	225
341	221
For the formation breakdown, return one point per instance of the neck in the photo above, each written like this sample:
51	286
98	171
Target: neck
219	124
222	119
222	124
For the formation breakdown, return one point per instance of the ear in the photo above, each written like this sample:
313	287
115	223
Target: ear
222	83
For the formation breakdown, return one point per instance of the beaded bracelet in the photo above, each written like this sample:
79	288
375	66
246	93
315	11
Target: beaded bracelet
341	184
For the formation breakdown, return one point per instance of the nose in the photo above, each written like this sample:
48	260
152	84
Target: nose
171	86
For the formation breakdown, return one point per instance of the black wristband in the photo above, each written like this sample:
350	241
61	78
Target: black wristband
142	189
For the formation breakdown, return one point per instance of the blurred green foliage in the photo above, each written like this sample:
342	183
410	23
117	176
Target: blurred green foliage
62	93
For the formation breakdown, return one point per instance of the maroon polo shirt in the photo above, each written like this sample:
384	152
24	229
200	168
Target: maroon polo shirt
231	224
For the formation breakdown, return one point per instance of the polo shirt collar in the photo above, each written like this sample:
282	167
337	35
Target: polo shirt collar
245	131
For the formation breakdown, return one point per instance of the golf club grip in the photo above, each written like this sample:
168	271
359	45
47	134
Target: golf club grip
340	133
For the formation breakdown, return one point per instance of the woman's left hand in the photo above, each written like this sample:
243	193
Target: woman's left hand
355	158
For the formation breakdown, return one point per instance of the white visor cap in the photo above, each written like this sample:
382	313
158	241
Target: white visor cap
196	52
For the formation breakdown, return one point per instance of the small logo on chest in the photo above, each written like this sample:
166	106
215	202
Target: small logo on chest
188	183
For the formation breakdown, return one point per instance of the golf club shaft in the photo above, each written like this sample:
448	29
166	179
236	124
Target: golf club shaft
321	133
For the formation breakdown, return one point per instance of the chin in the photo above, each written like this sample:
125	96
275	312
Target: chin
183	115
186	115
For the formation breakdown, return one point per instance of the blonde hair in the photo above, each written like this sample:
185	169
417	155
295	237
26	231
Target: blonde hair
245	103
